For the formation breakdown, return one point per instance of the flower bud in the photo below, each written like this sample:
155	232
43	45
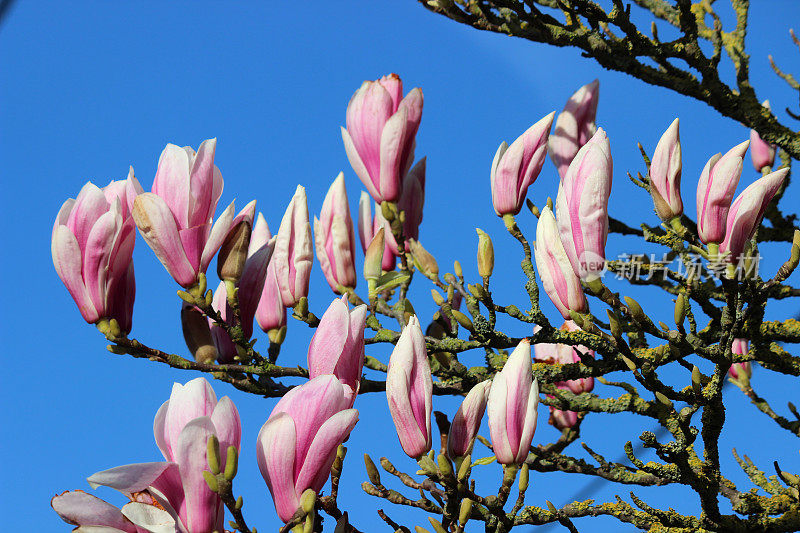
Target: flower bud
197	334
467	421
560	282
512	407
517	166
574	126
747	211
665	174
335	238
582	207
423	260
374	257
233	252
485	254
761	152
739	373
270	313
409	389
718	182
293	250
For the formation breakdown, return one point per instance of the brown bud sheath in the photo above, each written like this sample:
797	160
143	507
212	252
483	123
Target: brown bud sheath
233	252
197	334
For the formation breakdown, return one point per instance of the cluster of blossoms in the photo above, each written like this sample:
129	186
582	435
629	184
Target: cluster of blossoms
262	275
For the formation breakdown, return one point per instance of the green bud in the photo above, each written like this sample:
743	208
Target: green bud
211	481
680	309
613	321
464	511
485	254
630	364
233	252
534	210
524	474
697	384
308	526
551	506
209	297
388	210
277	336
577	318
202	283
477	291
212	454
663	399
373	257
444	465
116	349
231	463
437	297
437	526
239	503
423	260
387	465
463	320
186	297
635	309
457	269
419	529
307	500
372	471
464	468
428	466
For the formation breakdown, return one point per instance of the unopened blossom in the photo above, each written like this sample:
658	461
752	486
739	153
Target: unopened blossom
512	407
337	346
293	253
92	247
516	167
176	217
182	428
270	313
379	138
582	207
575	125
665	174
761	152
411	203
560	282
409	390
740	373
335	239
718	182
563	354
562	419
250	288
746	212
297	445
467	420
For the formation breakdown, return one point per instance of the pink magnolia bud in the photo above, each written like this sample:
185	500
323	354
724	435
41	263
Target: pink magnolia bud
379	139
335	239
574	126
293	250
368	228
582	207
665	174
555	270
409	390
251	286
297	445
467	421
563	354
512	407
270	313
175	218
92	247
747	211
762	153
562	419
740	373
715	190
517	166
337	347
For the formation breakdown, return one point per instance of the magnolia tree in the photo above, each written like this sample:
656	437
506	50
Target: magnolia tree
711	274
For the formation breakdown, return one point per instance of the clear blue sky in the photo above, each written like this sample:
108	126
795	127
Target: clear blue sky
92	87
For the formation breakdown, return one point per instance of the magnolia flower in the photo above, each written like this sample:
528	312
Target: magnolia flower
715	190
560	282
467	420
335	238
574	126
517	166
746	213
270	313
337	346
176	217
170	496
582	207
512	407
379	139
92	246
740	373
293	250
251	286
409	390
665	174
563	354
297	445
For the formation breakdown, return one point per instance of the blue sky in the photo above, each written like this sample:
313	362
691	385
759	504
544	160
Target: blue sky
90	88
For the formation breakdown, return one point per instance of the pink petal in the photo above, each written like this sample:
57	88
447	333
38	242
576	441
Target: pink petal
172	182
275	451
190	454
68	263
129	478
187	402
79	508
218	233
321	454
